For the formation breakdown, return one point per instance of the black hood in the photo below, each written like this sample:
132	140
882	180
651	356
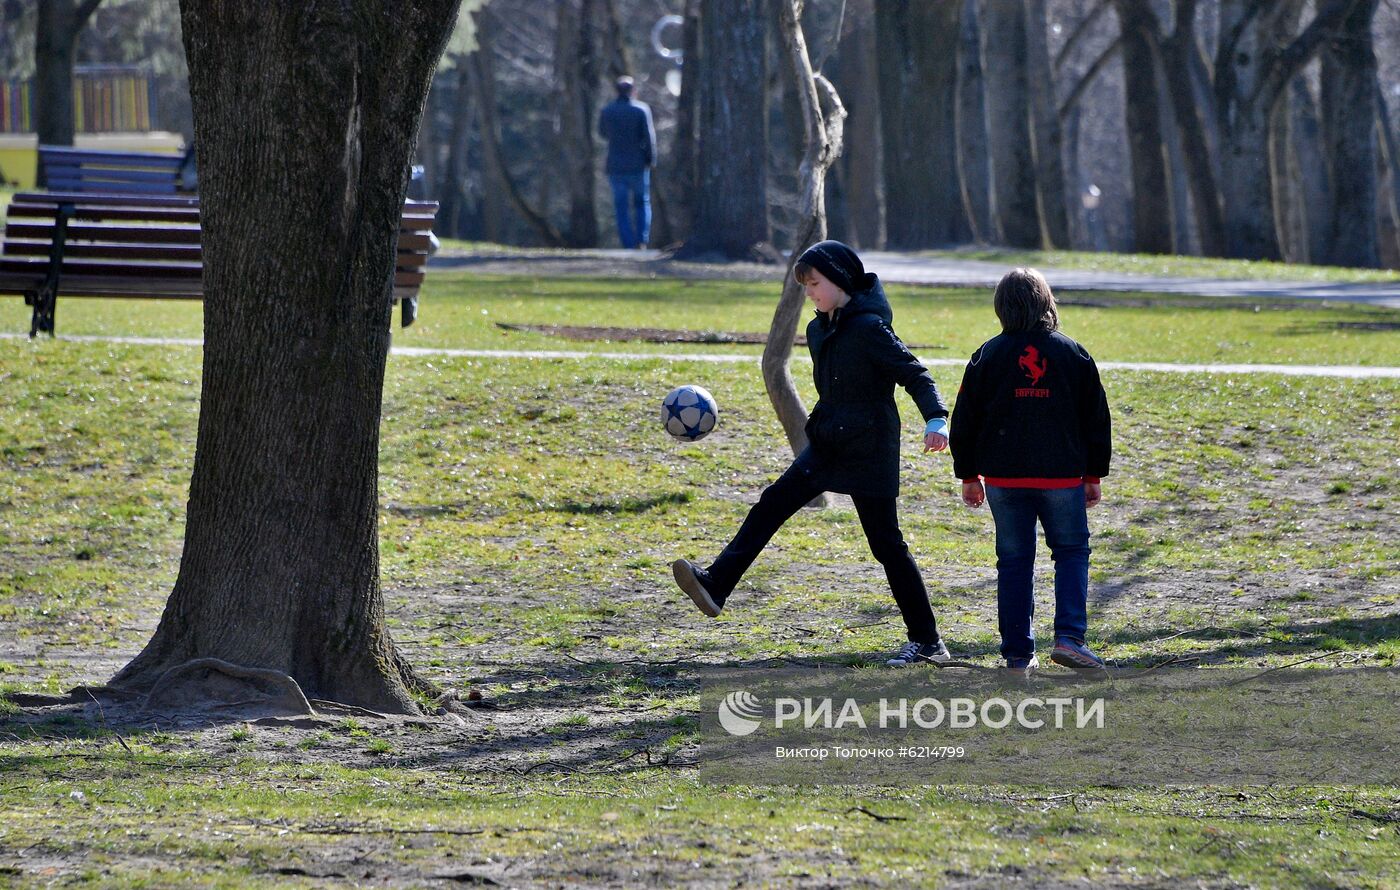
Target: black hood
870	299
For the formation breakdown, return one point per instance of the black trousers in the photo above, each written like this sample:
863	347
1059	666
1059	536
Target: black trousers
878	518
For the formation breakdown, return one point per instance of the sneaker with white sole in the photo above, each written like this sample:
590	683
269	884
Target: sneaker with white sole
920	653
699	586
1074	654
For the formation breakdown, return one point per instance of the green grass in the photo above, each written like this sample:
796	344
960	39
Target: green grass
254	820
1167	265
529	509
460	310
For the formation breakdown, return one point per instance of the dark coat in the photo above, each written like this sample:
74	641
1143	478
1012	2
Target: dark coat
626	124
854	429
1031	407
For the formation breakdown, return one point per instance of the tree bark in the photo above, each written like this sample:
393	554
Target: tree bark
280	567
1251	71
684	184
483	80
974	178
56	35
576	73
857	81
730	214
1192	113
1013	187
1349	128
918	128
823	121
1143	119
452	184
1391	154
1048	145
1308	171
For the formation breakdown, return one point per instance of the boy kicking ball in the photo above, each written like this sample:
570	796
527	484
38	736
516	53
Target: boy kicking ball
854	444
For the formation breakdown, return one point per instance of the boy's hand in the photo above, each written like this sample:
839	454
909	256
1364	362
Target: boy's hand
1093	493
935	442
974	494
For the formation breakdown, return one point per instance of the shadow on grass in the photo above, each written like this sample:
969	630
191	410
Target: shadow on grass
627	505
1371	326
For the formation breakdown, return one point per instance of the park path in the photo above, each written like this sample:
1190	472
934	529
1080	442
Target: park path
905	268
1351	371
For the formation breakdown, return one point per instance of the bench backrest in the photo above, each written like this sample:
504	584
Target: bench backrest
146	246
133	172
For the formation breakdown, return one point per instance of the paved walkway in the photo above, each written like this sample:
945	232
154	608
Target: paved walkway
1352	371
907	269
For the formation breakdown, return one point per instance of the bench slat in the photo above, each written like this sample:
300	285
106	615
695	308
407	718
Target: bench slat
148	188
99	198
84	212
78	266
83	231
56	172
126	251
63	155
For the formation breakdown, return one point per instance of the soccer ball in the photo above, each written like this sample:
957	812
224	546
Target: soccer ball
689	412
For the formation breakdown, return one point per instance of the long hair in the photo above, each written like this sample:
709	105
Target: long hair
1024	302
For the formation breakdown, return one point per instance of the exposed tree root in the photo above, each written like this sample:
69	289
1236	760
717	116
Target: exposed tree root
211	684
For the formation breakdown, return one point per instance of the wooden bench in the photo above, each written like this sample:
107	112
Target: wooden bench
127	172
110	245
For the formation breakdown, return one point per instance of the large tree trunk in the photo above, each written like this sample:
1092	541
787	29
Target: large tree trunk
1192	113
1251	71
1045	123
451	190
1243	112
682	173
823	121
1152	231
1309	171
1349	129
918	42
730	215
857	80
56	34
280	568
576	73
974	179
483	80
1390	153
1013	188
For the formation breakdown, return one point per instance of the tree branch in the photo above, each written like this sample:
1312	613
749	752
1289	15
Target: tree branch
1080	30
1326	20
84	12
1084	82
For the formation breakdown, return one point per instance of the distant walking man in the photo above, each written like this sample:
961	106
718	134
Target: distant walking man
626	124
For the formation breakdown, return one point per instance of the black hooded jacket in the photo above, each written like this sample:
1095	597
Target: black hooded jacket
854	428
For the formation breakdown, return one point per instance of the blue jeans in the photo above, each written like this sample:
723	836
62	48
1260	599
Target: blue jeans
632	201
1062	514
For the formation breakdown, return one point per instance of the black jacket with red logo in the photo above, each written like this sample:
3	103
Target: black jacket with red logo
1031	408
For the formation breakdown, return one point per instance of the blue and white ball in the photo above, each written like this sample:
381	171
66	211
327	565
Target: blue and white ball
689	412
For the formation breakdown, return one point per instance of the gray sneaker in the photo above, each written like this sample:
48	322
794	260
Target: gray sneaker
697	584
920	653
